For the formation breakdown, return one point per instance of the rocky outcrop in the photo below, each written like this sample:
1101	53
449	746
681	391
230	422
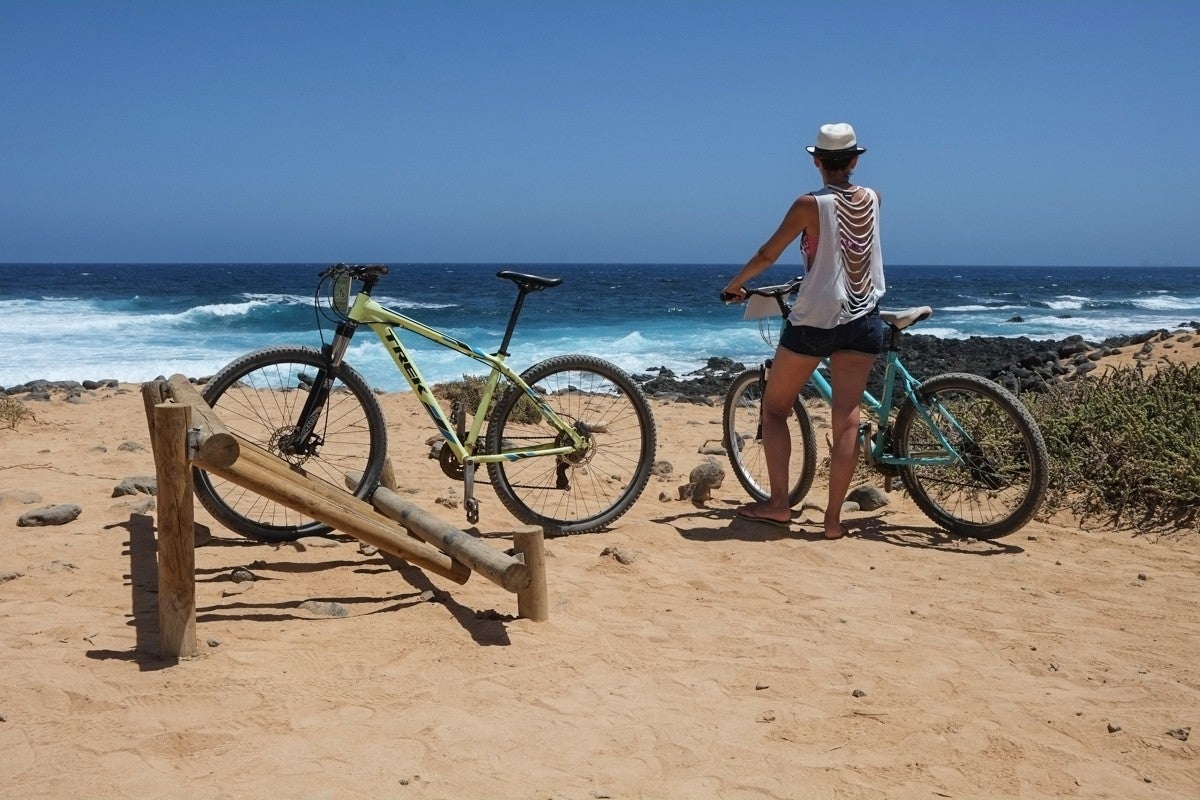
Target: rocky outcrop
1018	363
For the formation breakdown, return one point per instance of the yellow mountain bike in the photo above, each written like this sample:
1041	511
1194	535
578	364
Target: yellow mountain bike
568	445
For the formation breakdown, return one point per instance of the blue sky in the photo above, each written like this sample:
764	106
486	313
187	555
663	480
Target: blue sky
1009	133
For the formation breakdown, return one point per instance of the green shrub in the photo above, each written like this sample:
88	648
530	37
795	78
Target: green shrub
1125	447
13	412
466	391
469	391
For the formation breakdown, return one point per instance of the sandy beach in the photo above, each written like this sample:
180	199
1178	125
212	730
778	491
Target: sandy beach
687	655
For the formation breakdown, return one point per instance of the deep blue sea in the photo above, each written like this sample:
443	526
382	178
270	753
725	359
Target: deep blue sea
133	322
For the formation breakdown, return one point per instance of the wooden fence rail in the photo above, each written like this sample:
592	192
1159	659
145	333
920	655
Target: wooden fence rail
174	408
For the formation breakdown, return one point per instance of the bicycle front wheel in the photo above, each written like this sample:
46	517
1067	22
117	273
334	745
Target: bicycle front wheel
742	430
998	481
260	397
582	491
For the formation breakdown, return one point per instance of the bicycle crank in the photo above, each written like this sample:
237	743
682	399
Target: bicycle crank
469	502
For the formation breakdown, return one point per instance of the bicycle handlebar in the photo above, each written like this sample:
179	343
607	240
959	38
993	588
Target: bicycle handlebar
777	291
357	271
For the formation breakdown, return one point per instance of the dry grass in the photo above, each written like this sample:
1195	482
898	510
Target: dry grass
13	412
1125	447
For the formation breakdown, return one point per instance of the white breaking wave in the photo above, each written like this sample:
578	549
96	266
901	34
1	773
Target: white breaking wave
1066	302
1168	303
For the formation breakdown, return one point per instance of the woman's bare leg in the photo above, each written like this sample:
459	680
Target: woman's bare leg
789	373
848	373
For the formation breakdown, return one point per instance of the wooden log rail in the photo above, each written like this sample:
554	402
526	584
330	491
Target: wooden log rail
525	577
174	407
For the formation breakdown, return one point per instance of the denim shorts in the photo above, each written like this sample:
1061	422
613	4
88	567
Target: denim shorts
863	335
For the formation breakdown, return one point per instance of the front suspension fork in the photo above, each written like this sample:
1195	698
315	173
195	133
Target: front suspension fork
303	441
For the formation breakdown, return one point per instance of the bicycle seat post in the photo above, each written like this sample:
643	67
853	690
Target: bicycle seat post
512	320
525	285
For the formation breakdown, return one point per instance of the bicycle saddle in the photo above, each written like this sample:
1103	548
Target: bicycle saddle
905	317
528	283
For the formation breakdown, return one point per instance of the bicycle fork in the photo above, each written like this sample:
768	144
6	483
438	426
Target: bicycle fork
303	440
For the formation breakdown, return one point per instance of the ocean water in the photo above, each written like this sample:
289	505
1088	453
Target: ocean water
134	322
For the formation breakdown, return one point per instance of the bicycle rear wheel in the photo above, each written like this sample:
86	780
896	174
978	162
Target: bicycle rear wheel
584	491
1000	477
742	430
260	397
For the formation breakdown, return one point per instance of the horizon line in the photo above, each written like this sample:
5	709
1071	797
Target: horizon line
564	264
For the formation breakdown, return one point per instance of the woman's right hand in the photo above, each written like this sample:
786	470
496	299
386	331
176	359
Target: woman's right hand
733	294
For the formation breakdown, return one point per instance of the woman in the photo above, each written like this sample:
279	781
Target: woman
836	316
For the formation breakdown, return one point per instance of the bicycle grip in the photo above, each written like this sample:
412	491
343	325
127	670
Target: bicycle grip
730	297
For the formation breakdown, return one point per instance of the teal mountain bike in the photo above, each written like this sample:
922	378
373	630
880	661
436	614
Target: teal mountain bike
568	444
967	451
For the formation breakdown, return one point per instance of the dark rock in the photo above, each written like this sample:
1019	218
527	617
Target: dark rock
1073	345
1038	358
53	515
325	608
868	498
144	484
722	364
620	555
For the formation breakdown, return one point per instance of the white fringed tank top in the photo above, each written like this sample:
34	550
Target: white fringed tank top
845	280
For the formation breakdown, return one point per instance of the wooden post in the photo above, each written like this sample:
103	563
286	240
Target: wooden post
153	393
176	532
533	602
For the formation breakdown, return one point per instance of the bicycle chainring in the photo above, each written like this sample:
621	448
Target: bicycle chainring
449	463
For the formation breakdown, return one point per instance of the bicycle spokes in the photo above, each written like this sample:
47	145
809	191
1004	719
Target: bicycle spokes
976	464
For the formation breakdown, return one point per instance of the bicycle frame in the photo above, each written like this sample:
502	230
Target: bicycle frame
881	410
365	310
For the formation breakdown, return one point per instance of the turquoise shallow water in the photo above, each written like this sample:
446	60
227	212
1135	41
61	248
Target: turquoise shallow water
136	321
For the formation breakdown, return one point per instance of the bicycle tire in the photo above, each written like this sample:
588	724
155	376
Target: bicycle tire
999	483
259	396
742	432
584	492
